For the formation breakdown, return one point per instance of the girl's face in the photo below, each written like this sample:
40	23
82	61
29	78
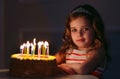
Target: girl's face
81	33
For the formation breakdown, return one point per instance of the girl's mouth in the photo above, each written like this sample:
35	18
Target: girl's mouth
81	40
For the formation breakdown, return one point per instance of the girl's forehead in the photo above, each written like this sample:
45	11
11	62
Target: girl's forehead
80	21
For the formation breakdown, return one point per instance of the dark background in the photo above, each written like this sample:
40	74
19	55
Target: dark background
22	20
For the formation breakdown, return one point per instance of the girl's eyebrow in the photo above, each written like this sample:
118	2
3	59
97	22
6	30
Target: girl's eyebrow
81	26
85	25
72	27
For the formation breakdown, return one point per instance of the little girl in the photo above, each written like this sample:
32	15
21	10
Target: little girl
84	49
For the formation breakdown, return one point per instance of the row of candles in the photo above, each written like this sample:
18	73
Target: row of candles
30	48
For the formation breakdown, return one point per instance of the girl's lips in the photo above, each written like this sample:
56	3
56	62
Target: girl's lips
81	40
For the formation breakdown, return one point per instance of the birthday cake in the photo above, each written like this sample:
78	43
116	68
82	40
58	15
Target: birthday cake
33	65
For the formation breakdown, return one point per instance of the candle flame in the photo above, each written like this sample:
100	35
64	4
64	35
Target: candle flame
43	46
32	46
40	43
23	44
28	44
21	47
34	41
46	44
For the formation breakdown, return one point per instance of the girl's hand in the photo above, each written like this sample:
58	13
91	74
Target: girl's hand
67	69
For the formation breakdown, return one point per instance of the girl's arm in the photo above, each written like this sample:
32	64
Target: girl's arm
59	58
96	58
63	68
67	69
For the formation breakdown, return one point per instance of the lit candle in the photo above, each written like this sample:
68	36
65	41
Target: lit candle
39	48
21	49
25	48
47	48
32	48
43	48
28	45
34	41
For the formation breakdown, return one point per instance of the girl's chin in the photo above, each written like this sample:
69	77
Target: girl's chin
82	46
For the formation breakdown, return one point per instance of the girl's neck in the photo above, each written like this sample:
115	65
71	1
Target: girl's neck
83	48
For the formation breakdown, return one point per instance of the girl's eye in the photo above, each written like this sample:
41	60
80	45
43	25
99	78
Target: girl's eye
73	30
86	29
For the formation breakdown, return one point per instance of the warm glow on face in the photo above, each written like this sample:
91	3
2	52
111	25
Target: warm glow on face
81	32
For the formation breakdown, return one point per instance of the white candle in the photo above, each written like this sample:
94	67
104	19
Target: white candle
34	43
47	48
32	48
21	49
39	48
28	45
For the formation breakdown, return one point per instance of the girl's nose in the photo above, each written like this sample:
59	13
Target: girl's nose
80	33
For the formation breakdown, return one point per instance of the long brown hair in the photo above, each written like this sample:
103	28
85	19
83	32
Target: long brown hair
97	24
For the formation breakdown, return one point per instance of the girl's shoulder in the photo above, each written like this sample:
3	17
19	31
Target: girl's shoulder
99	51
97	54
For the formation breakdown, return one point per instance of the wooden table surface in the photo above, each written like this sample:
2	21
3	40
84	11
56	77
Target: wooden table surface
4	75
